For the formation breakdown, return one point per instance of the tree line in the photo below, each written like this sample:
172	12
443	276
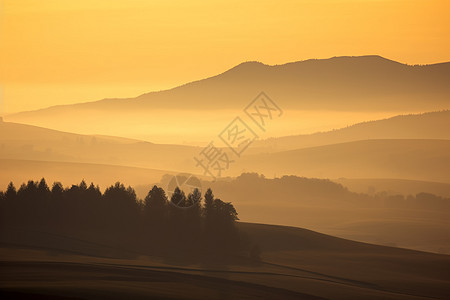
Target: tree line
154	224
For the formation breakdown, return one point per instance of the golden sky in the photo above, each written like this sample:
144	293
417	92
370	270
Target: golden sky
60	51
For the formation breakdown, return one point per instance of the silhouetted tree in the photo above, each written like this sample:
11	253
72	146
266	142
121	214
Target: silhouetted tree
43	190
29	203
219	221
224	212
27	192
121	208
83	185
42	199
11	193
155	209
93	192
57	191
93	205
178	198
193	202
56	205
208	207
156	202
193	222
177	224
177	214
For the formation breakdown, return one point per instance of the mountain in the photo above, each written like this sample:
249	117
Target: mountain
340	84
430	125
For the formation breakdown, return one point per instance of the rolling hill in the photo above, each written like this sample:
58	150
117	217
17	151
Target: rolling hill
372	186
297	264
68	173
415	159
412	159
420	223
26	142
429	125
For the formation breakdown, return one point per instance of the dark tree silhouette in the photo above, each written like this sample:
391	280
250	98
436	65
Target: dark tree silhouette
120	207
11	193
155	211
224	212
155	203
43	190
181	226
178	197
208	209
57	191
219	222
177	217
193	215
194	199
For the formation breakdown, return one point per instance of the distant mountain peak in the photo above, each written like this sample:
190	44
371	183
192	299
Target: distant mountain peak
250	63
369	82
373	57
367	58
247	66
364	60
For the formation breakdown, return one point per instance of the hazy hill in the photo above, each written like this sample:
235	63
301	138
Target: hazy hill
15	132
419	223
372	186
20	171
200	110
431	125
415	159
26	142
339	83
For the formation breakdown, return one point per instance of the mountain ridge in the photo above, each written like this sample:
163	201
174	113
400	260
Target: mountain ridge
349	64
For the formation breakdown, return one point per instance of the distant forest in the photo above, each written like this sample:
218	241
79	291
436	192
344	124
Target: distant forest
316	191
154	225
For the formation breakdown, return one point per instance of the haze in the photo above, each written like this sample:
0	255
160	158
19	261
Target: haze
225	149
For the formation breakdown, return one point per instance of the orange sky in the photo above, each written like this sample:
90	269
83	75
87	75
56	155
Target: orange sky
58	52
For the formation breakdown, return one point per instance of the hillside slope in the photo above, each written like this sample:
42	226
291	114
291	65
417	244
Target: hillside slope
26	142
418	223
415	159
429	125
339	83
297	264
